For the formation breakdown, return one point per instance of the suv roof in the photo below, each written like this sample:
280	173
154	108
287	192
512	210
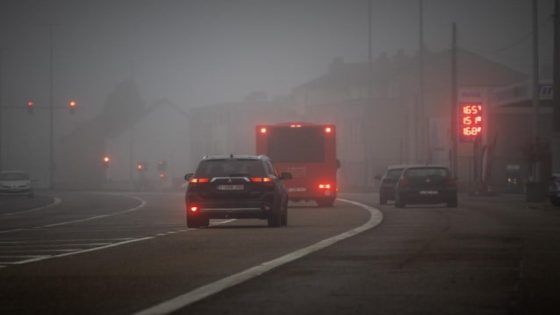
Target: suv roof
232	156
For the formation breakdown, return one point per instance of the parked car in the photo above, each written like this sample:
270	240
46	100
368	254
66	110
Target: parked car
426	185
240	186
15	183
554	189
388	181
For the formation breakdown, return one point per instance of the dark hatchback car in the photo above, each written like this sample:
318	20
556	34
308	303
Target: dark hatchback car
240	186
388	181
426	185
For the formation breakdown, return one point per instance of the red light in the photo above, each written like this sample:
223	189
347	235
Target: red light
106	159
471	121
194	209
325	186
140	167
261	179
199	180
72	104
328	130
263	130
295	126
30	104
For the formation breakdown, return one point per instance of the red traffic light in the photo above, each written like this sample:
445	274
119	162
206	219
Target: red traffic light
106	160
72	104
30	105
140	167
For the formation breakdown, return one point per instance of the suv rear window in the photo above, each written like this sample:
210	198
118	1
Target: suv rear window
423	172
230	167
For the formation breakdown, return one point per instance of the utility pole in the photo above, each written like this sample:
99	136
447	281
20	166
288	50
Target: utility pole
556	91
420	119
453	133
535	78
52	165
1	119
369	102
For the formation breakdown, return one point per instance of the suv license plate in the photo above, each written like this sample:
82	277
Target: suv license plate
231	187
428	192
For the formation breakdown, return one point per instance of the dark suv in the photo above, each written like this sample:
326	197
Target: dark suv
426	185
240	186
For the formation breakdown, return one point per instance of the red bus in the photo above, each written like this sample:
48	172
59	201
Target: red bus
306	150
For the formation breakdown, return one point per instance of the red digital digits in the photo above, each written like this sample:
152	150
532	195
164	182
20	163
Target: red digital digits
471	121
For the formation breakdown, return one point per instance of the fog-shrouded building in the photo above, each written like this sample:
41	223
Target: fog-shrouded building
388	122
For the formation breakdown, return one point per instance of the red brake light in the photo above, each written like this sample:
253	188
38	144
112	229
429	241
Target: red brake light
328	129
263	130
199	180
261	179
324	186
193	209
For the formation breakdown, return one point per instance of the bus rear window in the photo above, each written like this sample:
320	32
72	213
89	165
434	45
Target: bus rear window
296	145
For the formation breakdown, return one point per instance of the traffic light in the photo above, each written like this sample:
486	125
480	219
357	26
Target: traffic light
72	104
162	166
140	166
106	161
471	121
30	106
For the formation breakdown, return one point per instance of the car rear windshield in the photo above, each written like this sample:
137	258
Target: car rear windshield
394	173
423	172
230	168
14	176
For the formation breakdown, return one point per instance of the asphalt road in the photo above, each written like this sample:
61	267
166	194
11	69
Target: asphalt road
95	253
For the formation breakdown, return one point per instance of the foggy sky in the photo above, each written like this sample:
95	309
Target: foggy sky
206	52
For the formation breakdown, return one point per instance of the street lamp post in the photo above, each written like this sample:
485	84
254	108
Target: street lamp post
51	110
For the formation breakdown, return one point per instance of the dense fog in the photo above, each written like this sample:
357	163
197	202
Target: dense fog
175	80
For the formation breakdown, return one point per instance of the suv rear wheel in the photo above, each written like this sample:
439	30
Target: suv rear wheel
399	203
275	215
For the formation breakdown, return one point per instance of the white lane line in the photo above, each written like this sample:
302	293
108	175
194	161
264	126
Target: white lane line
56	201
127	241
97	217
205	291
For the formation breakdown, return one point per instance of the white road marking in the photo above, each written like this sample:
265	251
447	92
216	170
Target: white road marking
205	291
56	201
97	217
36	258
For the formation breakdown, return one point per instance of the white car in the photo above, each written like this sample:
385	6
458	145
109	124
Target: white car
15	183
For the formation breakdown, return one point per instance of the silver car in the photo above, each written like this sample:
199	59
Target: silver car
15	183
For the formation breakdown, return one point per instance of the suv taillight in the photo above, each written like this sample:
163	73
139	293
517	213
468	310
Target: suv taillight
261	180
198	180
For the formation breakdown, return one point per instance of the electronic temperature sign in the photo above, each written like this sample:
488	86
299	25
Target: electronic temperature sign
470	121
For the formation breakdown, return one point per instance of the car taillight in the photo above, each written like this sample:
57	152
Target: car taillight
324	186
261	179
197	180
193	208
403	182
